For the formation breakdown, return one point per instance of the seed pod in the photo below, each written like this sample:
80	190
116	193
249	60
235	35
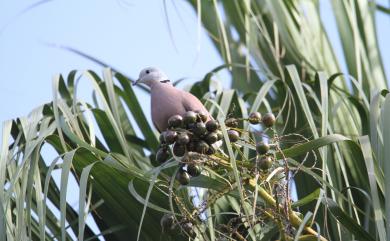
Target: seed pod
162	155
183	177
175	121
211	138
264	162
167	221
231	122
254	118
268	120
194	170
202	116
189	117
233	135
179	150
170	136
262	148
182	139
199	129
201	147
212	125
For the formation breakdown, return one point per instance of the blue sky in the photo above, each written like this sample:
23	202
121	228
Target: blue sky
129	35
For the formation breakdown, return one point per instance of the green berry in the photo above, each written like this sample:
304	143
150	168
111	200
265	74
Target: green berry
194	170
264	162
162	155
183	177
262	148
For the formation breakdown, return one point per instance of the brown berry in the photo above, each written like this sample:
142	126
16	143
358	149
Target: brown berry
179	150
212	125
211	138
268	120
170	136
191	146
189	117
254	118
162	137
201	147
233	135
182	139
162	155
231	122
219	135
202	116
167	222
175	121
262	148
189	229
199	129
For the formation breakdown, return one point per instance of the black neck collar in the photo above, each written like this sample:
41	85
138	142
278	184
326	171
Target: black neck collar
165	81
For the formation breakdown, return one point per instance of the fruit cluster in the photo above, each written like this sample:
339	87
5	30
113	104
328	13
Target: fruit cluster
196	132
192	138
189	133
192	132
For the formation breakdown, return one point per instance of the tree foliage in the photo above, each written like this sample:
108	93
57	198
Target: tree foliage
330	126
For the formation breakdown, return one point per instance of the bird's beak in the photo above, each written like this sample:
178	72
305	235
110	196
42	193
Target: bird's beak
135	82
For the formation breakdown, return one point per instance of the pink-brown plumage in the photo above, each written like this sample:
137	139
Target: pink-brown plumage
167	100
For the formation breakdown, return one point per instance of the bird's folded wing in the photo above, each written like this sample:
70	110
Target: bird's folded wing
192	103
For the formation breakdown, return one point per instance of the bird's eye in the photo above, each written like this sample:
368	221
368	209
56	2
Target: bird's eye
147	71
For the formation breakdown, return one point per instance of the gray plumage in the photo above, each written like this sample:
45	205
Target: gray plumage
167	100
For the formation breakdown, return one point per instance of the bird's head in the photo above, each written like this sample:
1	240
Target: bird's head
151	75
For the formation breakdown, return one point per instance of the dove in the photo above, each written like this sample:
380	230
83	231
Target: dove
166	99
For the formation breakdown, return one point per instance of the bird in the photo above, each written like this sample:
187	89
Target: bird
166	99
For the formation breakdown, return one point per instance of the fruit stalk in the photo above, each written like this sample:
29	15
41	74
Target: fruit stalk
294	219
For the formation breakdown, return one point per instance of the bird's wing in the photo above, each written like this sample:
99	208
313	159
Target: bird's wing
192	103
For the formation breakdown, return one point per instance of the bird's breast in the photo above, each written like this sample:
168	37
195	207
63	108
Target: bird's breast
165	103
